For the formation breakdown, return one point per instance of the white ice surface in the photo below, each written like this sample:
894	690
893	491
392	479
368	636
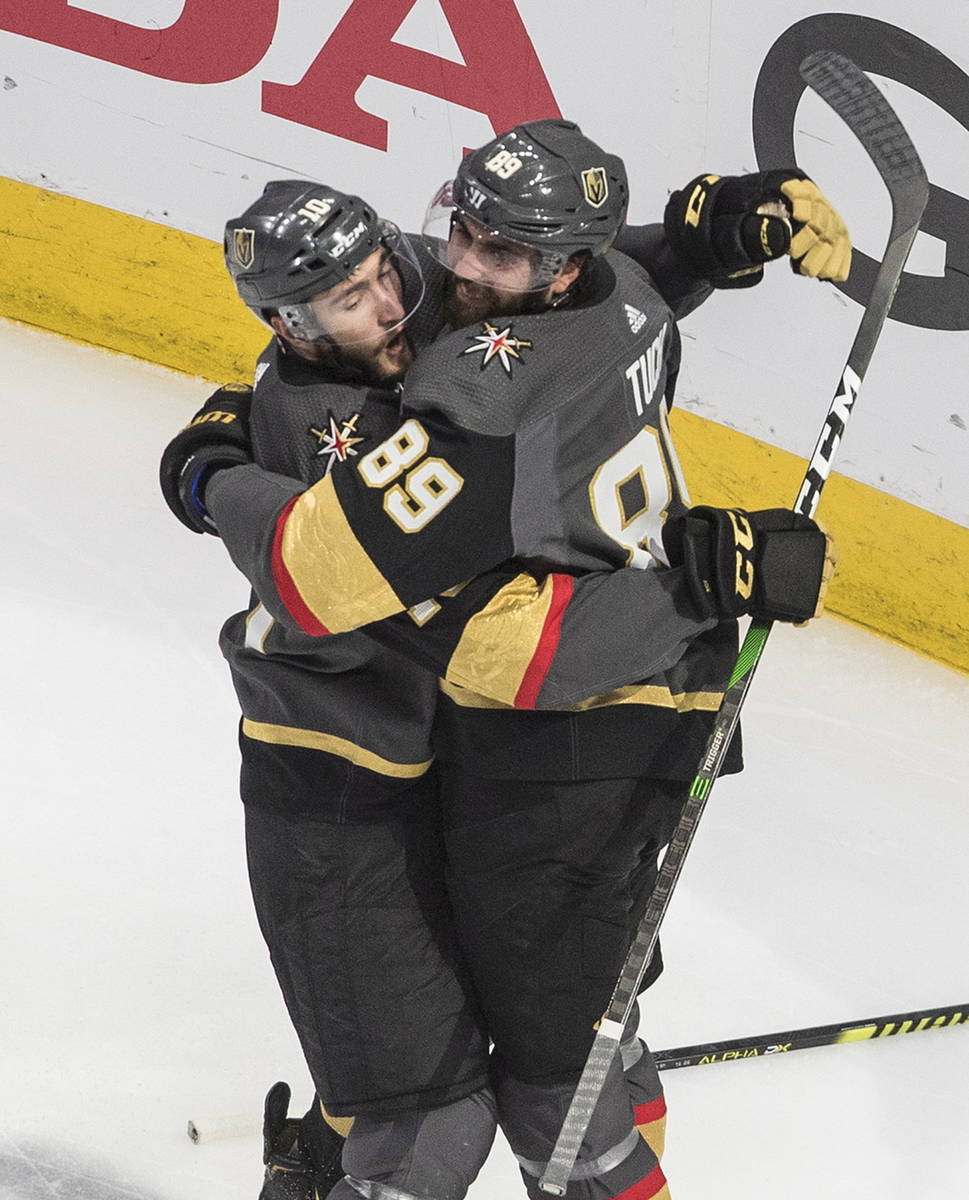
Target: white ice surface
826	883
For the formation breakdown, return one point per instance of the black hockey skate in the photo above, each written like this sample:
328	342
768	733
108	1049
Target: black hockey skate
302	1157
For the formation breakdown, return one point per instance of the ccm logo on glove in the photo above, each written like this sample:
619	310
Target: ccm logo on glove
726	227
773	565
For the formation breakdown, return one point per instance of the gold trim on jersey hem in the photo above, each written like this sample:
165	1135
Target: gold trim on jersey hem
314	739
648	694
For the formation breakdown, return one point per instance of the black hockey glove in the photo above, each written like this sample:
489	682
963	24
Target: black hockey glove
773	565
216	437
726	228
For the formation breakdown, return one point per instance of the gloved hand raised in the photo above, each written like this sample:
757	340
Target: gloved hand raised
773	565
216	437
726	228
821	246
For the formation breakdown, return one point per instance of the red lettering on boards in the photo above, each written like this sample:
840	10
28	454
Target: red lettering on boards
214	41
211	42
502	78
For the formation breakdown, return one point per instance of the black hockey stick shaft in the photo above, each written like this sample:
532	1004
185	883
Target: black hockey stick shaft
734	1050
873	121
763	1044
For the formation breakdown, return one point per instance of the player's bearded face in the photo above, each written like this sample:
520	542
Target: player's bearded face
469	303
384	362
364	323
490	276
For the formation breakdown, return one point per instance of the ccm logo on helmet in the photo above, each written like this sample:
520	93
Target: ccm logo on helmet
342	242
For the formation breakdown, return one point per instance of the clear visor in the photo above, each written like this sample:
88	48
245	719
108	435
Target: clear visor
371	306
472	251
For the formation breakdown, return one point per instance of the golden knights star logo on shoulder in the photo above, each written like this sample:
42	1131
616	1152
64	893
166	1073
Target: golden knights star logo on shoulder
498	344
337	440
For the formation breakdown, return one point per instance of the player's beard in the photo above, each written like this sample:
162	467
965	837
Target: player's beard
469	303
382	366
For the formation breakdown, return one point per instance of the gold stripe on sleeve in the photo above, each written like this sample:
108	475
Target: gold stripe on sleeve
499	642
335	577
313	739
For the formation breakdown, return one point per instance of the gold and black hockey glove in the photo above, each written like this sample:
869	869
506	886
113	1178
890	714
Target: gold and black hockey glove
773	564
216	437
821	246
726	228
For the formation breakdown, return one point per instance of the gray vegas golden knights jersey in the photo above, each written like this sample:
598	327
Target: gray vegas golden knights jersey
362	711
538	441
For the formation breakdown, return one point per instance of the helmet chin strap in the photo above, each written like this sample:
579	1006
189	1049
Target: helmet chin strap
536	302
575	287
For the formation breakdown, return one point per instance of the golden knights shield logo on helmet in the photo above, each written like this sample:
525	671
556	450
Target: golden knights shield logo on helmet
595	185
243	247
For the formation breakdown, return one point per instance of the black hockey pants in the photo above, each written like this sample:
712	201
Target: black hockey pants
360	935
547	882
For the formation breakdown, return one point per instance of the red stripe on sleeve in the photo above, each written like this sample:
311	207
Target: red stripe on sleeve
548	642
286	585
655	1110
646	1188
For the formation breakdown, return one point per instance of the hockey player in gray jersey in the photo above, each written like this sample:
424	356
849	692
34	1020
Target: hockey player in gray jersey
337	779
626	793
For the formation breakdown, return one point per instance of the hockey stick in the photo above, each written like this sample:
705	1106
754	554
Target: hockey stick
805	1039
702	1054
871	118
